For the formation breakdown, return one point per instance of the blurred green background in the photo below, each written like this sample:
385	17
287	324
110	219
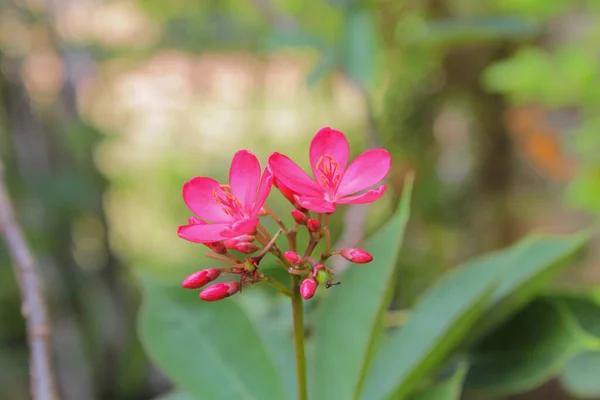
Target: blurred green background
107	107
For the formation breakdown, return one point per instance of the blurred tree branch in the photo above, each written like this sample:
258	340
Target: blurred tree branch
33	305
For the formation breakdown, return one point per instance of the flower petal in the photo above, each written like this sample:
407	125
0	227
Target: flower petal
263	190
198	196
244	176
203	233
364	198
332	142
240	228
368	169
316	204
292	176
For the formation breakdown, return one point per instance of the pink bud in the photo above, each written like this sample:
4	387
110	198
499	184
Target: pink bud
292	257
308	288
313	225
358	256
299	217
246	247
230	243
287	193
201	278
219	291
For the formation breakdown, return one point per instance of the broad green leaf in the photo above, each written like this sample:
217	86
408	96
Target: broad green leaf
525	352
586	311
175	395
438	322
210	350
581	376
348	325
449	388
360	47
529	265
272	319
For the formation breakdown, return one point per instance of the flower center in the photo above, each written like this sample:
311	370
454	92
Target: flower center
330	175
229	203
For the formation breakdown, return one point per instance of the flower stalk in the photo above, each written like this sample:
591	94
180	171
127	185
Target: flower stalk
298	321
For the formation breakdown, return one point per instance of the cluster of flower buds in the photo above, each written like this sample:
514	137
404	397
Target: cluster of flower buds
229	216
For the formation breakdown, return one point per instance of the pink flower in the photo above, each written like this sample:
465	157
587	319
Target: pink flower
232	208
334	183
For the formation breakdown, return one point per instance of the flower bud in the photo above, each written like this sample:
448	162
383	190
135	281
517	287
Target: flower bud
292	257
251	264
201	278
323	275
299	217
308	288
219	291
287	193
358	256
217	247
313	225
245	247
230	243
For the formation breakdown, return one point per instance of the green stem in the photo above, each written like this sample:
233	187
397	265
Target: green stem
298	315
283	289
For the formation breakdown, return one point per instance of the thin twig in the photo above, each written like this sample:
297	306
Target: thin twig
34	307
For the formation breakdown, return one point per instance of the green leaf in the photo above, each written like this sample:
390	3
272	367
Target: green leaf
439	321
449	388
527	267
360	47
210	350
175	395
581	375
348	325
525	352
585	309
446	313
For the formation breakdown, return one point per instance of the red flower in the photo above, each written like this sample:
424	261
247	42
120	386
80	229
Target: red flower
232	208
334	183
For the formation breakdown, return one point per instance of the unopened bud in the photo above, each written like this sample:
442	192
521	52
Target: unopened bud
251	264
292	257
313	225
323	275
230	243
308	288
217	247
358	256
299	217
201	278
246	247
219	291
287	193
